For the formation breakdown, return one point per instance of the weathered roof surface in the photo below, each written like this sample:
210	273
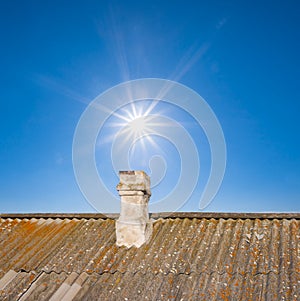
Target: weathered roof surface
190	257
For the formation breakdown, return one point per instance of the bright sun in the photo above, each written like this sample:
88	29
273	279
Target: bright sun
138	125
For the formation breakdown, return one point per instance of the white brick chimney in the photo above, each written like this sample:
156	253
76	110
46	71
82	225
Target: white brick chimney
133	228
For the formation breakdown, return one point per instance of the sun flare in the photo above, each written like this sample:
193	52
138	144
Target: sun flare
136	123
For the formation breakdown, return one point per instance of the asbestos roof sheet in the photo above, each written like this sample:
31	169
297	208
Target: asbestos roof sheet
189	257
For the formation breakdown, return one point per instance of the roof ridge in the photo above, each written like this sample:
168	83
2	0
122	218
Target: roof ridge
209	215
116	271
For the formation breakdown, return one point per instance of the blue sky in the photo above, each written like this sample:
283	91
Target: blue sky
242	57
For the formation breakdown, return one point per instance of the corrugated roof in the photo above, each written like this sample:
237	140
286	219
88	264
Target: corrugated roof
189	257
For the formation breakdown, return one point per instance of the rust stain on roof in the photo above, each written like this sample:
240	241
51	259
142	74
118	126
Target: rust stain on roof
187	258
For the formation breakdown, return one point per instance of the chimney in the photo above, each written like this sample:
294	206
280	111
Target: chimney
133	228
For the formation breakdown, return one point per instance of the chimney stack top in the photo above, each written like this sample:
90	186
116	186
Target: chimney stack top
134	180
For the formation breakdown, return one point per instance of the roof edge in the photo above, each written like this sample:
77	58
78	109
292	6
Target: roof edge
209	215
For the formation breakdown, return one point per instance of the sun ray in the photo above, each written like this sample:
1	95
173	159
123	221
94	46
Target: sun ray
123	117
153	104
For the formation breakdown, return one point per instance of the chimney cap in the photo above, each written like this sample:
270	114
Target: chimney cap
134	180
